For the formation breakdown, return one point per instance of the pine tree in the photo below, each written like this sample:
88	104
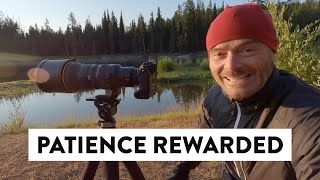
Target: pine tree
172	41
105	28
179	23
113	34
76	34
89	42
189	26
142	34
33	37
151	34
159	31
133	34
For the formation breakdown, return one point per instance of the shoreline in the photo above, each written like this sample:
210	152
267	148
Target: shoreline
18	143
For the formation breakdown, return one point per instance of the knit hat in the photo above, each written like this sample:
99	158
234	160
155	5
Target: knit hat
247	21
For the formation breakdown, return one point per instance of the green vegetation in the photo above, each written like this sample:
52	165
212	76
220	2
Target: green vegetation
16	88
16	119
166	65
12	58
170	115
298	50
184	71
204	65
127	121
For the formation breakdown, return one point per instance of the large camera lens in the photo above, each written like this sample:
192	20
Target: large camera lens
71	76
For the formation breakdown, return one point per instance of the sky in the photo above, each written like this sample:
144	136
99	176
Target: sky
29	12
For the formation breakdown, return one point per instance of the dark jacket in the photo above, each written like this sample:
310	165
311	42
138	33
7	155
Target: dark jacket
284	102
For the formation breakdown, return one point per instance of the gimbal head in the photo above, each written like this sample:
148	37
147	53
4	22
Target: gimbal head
107	107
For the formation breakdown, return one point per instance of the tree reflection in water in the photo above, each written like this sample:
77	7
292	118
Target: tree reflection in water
189	94
169	97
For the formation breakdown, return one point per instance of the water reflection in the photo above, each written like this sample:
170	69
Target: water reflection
54	108
186	94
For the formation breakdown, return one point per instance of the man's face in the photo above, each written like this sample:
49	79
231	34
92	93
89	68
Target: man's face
241	67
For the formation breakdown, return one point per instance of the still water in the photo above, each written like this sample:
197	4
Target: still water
55	108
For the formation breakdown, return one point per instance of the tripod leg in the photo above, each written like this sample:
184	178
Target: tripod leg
89	170
134	170
111	170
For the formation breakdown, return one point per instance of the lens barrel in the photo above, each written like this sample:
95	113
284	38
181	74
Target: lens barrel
71	76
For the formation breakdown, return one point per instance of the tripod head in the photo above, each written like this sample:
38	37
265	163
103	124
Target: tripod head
107	107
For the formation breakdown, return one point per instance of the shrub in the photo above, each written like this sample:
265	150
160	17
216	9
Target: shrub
187	63
166	65
16	119
298	50
204	64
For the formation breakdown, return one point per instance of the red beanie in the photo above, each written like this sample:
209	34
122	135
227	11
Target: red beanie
247	21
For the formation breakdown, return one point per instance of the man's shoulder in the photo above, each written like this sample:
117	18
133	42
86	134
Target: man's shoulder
301	93
300	111
213	93
301	105
214	90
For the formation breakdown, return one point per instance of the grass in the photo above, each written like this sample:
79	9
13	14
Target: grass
16	88
168	119
163	120
12	57
16	119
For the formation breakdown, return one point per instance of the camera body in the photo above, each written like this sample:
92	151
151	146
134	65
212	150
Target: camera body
70	76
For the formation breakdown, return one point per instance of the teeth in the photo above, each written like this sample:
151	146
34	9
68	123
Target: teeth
236	78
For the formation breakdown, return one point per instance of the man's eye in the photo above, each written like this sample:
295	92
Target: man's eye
247	51
218	54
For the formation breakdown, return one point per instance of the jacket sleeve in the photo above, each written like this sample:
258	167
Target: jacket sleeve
204	119
183	169
306	147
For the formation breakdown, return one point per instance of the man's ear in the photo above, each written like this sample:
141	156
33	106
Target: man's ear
273	56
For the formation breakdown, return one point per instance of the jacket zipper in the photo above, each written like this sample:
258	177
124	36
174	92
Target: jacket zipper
235	127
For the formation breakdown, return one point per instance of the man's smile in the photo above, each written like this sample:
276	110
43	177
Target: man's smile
237	78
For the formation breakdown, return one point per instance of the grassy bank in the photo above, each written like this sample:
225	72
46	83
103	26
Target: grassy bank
16	88
14	58
164	120
171	71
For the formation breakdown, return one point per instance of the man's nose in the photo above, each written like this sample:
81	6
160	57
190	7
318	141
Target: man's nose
232	61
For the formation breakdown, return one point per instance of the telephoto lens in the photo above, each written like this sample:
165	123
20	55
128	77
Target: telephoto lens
71	76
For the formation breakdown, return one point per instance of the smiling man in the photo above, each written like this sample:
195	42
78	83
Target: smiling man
251	92
241	67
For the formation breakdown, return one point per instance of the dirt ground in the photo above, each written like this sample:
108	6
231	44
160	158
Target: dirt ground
14	162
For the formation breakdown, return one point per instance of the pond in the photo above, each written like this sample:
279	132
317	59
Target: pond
56	108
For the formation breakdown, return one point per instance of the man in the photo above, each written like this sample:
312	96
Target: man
252	93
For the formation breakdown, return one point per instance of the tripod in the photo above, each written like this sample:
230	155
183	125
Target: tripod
107	108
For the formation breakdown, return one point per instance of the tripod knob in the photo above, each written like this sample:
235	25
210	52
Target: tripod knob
106	113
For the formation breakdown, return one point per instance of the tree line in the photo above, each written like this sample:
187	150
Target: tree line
184	32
